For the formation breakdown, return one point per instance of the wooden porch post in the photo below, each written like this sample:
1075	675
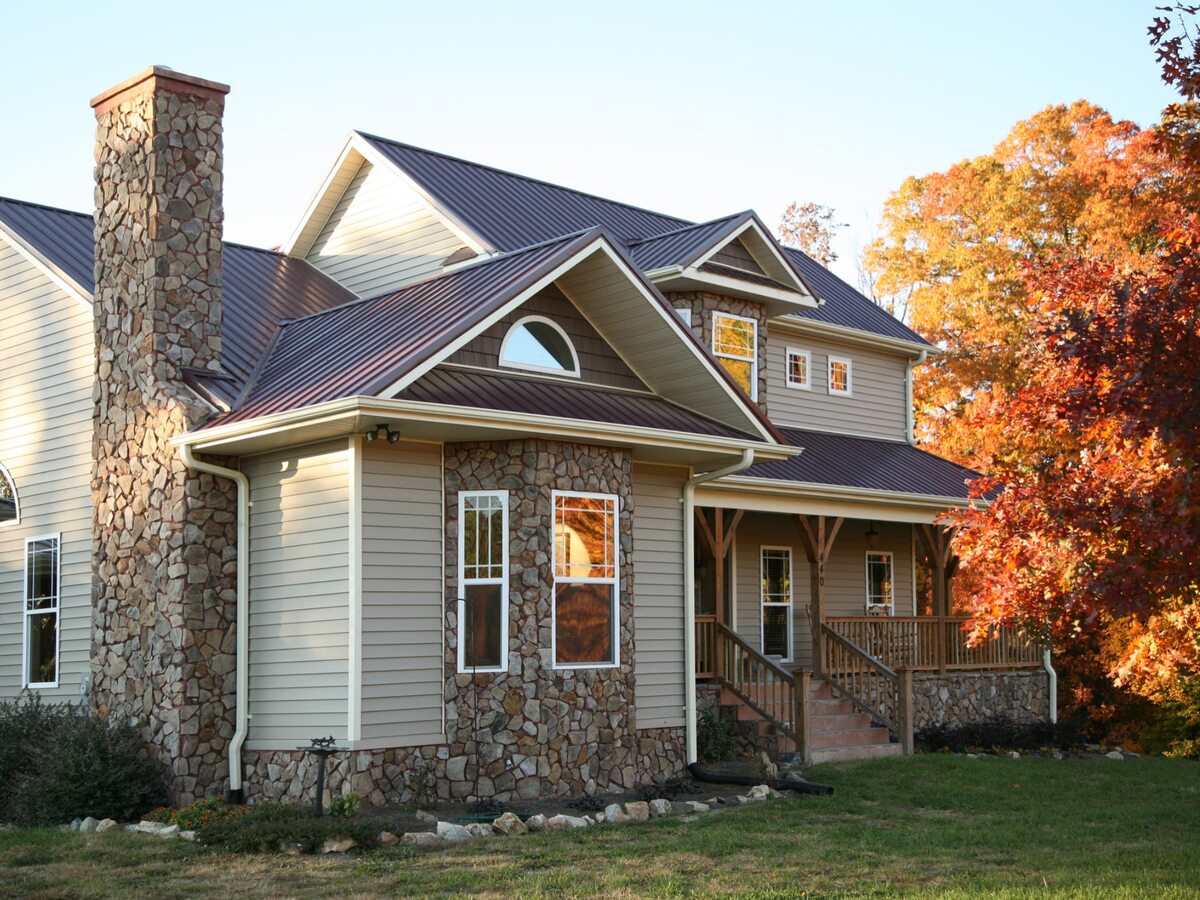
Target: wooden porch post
817	534
937	542
719	538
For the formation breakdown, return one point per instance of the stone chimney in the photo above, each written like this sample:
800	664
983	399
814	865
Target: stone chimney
163	538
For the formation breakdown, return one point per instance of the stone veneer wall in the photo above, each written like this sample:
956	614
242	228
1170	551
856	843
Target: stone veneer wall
703	304
960	698
541	731
164	539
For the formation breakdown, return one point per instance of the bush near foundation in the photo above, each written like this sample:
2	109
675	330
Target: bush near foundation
58	762
274	827
999	733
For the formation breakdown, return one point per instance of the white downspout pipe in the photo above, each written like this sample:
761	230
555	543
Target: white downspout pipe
1053	686
241	626
910	417
689	591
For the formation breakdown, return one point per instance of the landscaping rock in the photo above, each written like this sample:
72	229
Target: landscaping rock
480	829
189	836
510	823
422	839
638	810
614	814
168	831
451	832
426	818
150	827
338	845
105	825
536	822
387	839
1013	754
88	825
75	824
559	822
696	806
760	792
660	808
1111	754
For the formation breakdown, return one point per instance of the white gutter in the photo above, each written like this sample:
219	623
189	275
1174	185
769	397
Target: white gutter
689	591
242	625
910	418
1053	687
815	491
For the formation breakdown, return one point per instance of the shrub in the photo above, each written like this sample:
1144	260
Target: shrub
270	827
344	805
82	765
999	733
716	738
26	725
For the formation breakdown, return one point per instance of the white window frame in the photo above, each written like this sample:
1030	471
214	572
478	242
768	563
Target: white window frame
791	602
12	483
849	364
753	360
464	582
869	603
614	580
530	367
789	353
685	314
27	614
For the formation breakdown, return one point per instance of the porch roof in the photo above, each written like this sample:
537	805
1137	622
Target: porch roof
867	464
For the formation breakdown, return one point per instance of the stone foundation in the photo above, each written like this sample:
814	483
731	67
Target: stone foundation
969	697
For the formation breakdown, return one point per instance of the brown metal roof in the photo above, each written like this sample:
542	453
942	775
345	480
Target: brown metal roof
543	397
866	463
685	245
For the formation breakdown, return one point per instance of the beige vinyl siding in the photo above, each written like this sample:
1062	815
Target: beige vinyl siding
598	362
299	595
46	359
402	591
658	609
380	235
845	574
875	409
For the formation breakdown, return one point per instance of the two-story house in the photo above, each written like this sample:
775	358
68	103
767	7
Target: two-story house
498	483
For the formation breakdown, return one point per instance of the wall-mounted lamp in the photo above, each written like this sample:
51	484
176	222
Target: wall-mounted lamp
382	432
872	536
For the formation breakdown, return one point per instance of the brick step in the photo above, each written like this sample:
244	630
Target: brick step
863	751
848	721
859	737
830	707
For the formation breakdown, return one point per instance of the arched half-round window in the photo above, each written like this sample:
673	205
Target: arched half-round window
10	510
538	345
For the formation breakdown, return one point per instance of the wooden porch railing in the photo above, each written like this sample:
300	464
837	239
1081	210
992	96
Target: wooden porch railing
777	694
706	646
878	690
935	643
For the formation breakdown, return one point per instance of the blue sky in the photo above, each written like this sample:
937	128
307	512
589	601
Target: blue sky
697	109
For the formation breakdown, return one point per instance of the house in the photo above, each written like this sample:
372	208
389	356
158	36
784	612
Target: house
500	484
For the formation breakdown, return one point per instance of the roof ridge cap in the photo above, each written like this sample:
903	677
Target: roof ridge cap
511	174
682	228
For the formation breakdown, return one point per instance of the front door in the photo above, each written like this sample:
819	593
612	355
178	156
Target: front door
776	579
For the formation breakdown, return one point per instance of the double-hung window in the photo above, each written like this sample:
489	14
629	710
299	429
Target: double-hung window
586	580
799	369
483	581
41	611
735	344
776	576
880	581
840	376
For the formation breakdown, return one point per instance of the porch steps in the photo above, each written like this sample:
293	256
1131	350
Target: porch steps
838	732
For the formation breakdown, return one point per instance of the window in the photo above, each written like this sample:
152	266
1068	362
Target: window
10	510
799	367
536	344
776	571
880	584
685	314
586	610
839	376
483	577
41	611
735	343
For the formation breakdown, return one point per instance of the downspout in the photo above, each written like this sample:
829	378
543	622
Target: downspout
910	419
1053	686
689	590
241	626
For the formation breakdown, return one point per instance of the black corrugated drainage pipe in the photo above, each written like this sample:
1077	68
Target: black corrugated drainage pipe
788	783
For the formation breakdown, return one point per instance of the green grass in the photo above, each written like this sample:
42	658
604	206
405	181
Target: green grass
929	825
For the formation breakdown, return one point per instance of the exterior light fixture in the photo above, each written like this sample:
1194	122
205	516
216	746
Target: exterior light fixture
381	432
872	536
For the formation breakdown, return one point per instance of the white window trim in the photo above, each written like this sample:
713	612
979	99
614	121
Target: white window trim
787	368
753	360
791	603
849	391
614	580
12	483
26	614
529	367
464	582
868	603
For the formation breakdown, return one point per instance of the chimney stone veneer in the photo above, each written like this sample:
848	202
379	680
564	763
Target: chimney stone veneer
163	539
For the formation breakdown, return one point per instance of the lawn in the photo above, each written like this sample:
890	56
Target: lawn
928	825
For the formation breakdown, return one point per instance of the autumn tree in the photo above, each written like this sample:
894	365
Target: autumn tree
810	227
958	244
